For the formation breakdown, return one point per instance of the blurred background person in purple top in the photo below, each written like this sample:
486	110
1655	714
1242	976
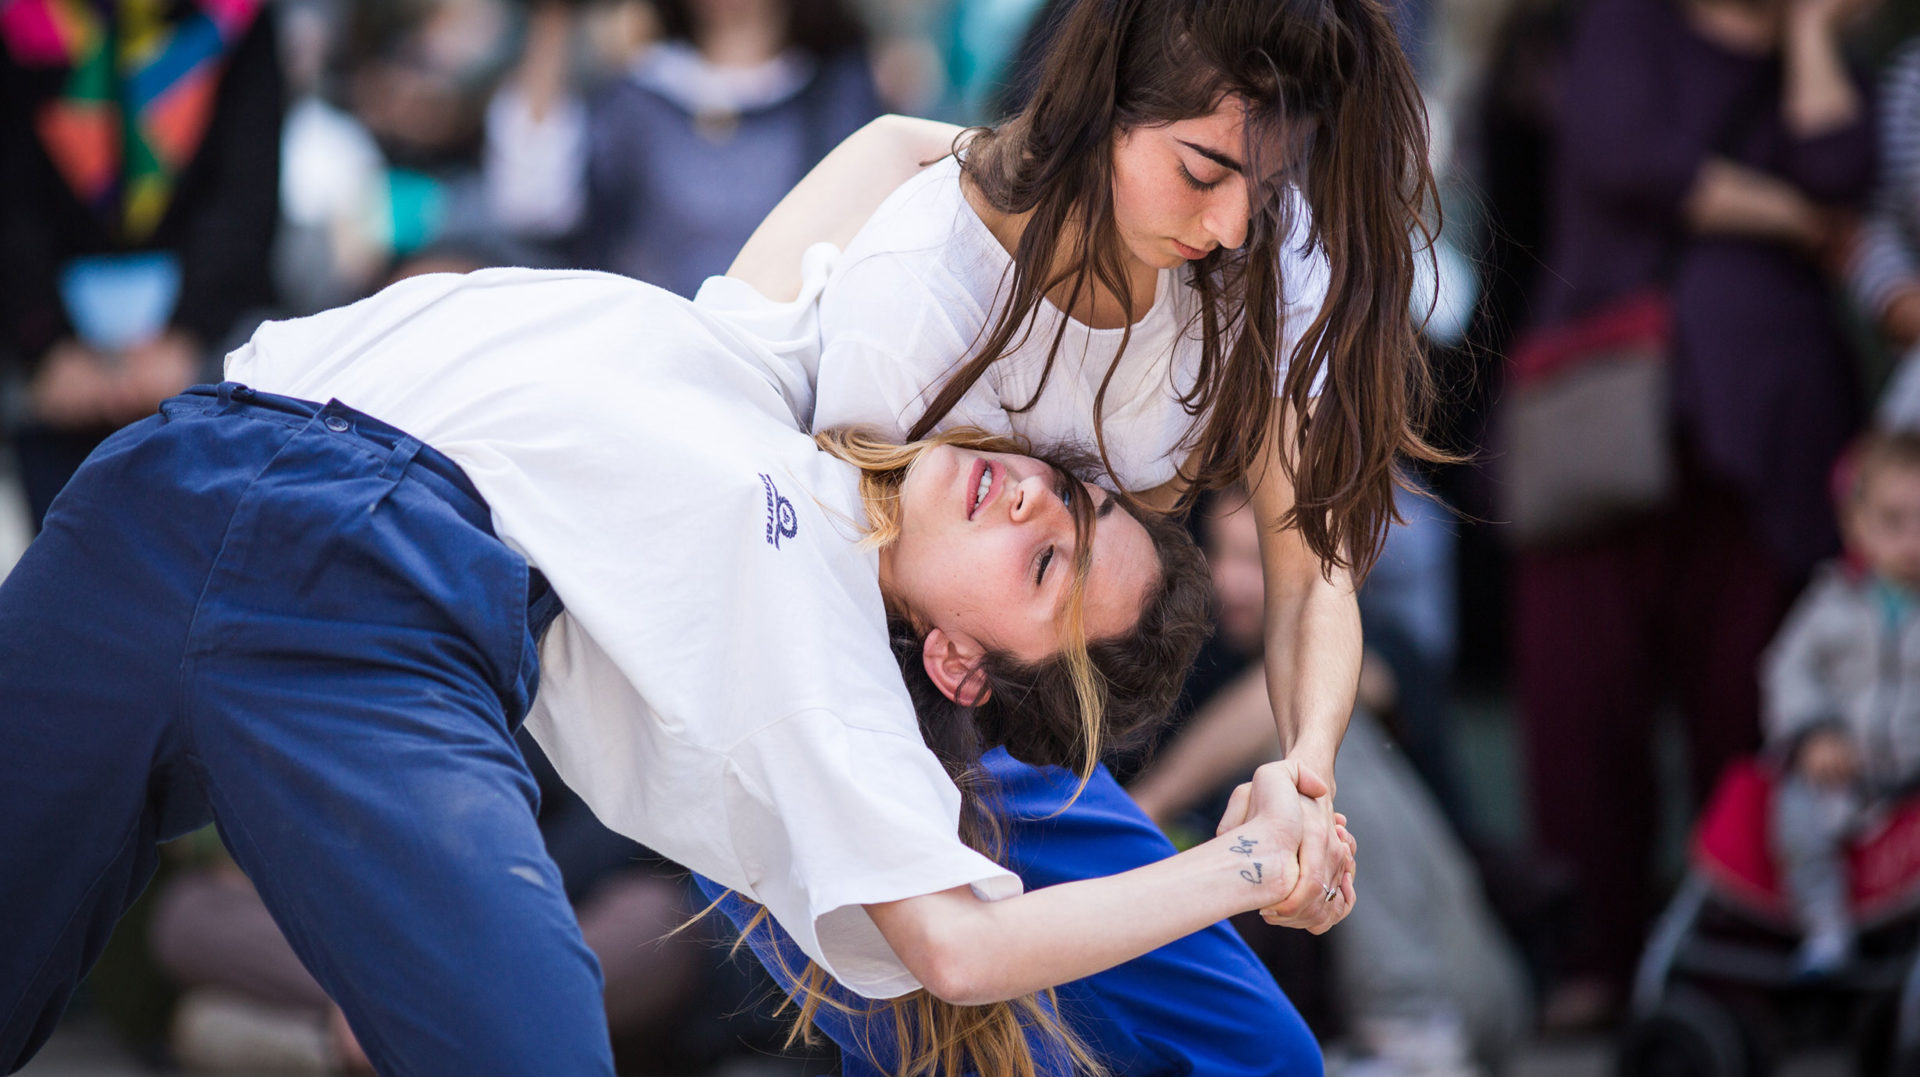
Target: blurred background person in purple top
1713	148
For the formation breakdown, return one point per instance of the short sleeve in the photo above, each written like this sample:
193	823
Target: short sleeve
787	330
827	817
891	340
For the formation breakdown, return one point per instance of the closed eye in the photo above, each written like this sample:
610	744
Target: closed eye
1196	183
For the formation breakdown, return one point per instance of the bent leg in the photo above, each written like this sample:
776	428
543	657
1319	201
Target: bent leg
92	772
1809	829
355	671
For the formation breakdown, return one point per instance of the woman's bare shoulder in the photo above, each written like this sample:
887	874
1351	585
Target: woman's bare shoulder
833	200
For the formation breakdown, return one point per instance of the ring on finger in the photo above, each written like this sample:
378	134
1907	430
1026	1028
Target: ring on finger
1329	892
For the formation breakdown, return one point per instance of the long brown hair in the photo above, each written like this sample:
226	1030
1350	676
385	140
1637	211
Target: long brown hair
1057	712
1327	80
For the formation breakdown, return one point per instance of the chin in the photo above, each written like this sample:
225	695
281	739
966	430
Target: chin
1154	256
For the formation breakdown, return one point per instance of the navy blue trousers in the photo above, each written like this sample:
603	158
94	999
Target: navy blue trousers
295	622
1199	1005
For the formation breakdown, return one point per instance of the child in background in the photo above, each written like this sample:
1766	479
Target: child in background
1842	693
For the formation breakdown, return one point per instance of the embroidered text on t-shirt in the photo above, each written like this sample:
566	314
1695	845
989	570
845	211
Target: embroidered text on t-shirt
781	522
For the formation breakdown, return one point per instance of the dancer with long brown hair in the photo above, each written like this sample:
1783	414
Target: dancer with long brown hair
1199	232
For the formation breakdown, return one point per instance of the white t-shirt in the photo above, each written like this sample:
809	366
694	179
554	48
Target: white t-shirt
918	285
720	687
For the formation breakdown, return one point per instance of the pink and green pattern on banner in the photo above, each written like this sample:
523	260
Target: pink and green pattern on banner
140	90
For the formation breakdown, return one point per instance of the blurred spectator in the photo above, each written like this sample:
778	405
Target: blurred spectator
383	139
1704	147
138	164
1886	267
1424	979
665	175
1840	681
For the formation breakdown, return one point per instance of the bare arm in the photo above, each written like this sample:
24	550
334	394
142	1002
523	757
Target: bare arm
1733	199
1312	668
1313	641
1312	659
832	201
970	952
1819	96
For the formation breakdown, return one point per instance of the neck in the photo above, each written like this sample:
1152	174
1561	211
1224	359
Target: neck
1096	306
743	42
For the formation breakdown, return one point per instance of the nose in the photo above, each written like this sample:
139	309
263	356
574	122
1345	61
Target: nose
1032	498
1227	214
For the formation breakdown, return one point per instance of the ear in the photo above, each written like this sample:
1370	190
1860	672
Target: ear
953	664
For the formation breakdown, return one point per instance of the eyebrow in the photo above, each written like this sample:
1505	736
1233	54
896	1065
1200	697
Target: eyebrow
1106	507
1215	156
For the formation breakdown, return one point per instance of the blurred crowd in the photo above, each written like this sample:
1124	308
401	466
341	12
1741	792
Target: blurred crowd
1673	295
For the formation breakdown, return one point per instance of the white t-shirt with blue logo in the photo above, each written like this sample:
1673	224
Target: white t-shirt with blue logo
720	687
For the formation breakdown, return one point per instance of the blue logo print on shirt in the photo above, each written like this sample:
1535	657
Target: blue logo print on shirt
781	522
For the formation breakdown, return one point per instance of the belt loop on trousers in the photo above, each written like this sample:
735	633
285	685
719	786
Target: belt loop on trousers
230	391
402	455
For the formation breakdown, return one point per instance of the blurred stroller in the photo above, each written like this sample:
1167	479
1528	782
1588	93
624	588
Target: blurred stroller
1718	992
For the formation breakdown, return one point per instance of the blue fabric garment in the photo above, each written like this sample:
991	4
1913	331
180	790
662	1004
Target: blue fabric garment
1201	1005
672	196
295	622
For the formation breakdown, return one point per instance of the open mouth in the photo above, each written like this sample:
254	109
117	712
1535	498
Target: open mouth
980	483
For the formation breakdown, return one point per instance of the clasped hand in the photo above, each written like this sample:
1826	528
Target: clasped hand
1297	806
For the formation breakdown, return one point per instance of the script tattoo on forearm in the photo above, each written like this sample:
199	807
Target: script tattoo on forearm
1244	846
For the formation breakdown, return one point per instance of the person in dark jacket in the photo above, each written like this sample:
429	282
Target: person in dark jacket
139	185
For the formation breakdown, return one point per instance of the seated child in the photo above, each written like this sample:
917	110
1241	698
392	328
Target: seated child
1842	693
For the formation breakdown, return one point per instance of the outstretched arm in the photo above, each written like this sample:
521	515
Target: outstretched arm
832	201
971	952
